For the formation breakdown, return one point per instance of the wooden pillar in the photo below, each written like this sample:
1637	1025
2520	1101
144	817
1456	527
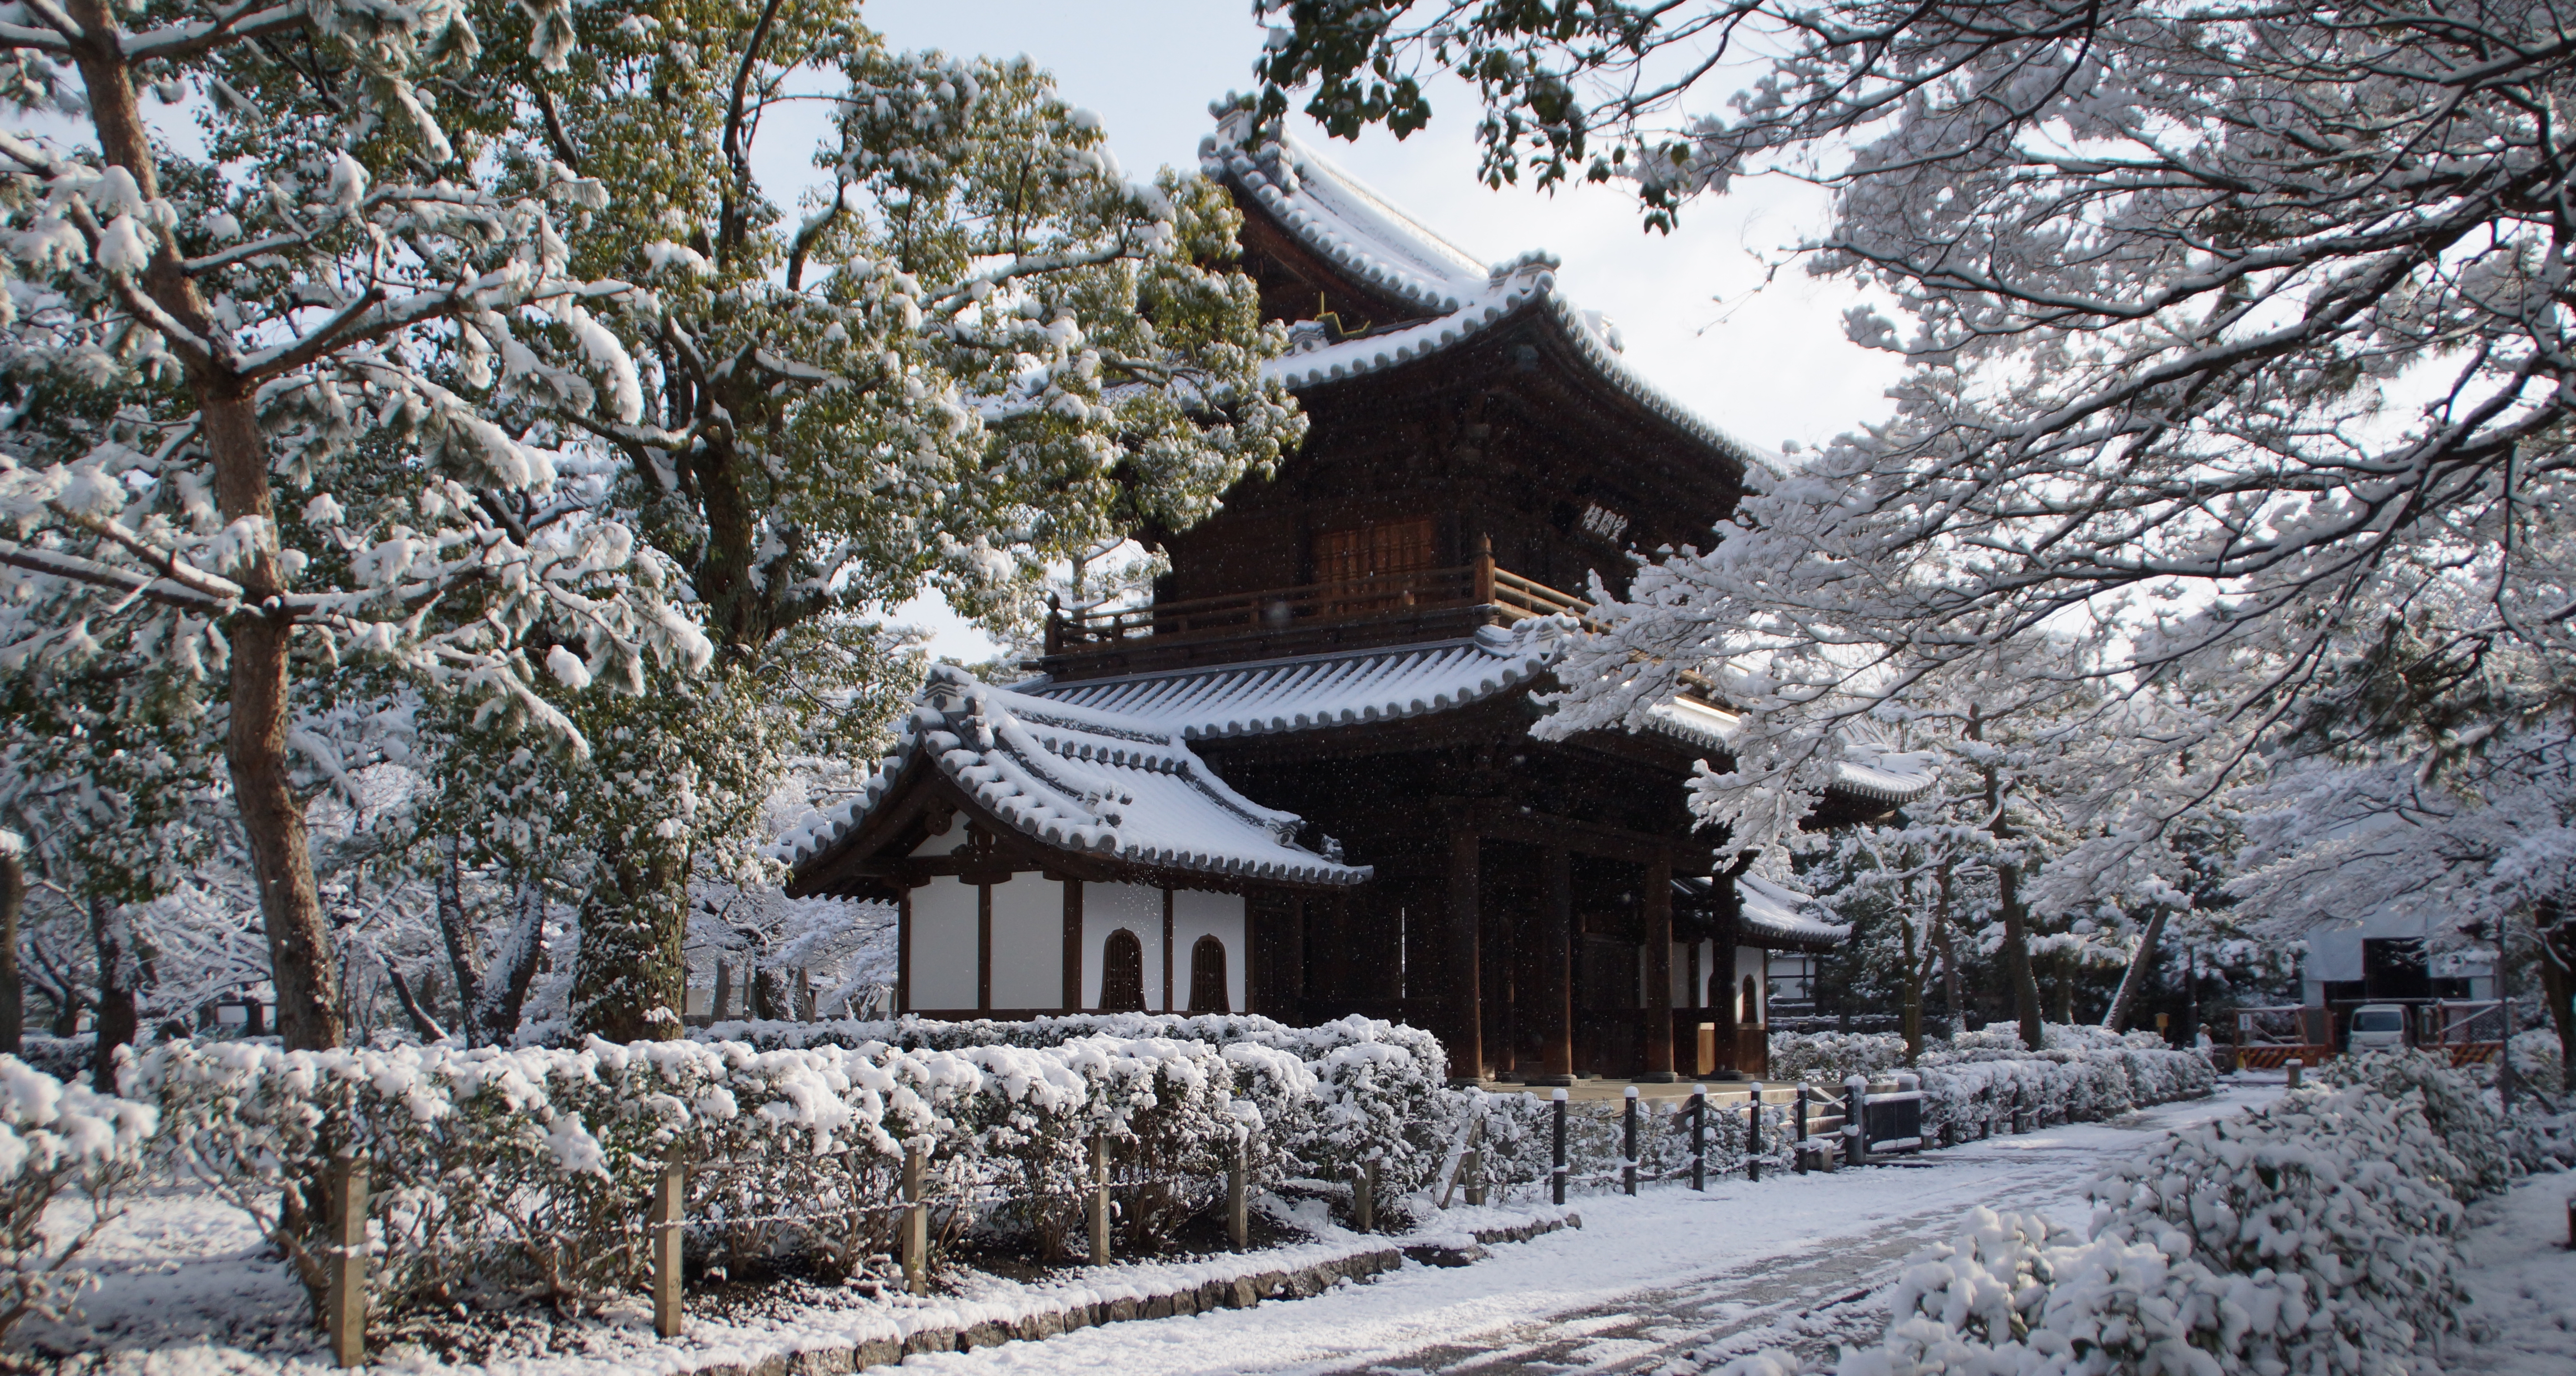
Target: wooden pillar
1072	945
1556	965
983	948
903	952
1466	957
346	1271
1659	970
1167	952
670	1200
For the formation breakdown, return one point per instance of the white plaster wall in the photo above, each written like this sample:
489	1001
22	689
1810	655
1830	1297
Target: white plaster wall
943	944
944	843
1028	942
1754	961
1196	914
1105	909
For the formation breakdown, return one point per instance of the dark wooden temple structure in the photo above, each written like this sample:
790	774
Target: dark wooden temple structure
1356	643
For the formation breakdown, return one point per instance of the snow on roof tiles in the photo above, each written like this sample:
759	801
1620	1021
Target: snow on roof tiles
1892	779
1775	911
1318	691
1771	915
1340	219
1080	779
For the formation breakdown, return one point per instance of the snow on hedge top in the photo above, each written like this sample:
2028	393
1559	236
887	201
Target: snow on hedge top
1313	692
1341	220
1079	779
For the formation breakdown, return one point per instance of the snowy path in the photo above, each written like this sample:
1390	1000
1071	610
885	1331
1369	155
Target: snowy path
1643	1279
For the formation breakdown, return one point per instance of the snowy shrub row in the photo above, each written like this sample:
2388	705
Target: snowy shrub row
62	1144
1979	1083
1379	1089
502	1175
2314	1237
1518	1141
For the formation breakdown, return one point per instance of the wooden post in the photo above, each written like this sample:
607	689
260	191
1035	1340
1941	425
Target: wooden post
1659	971
1466	956
1556	966
1856	1120
916	1225
1475	1172
1100	1198
1753	1134
347	1269
1628	1147
1556	1175
1364	1199
1484	570
720	1003
1238	1211
2294	1066
670	1194
1699	1137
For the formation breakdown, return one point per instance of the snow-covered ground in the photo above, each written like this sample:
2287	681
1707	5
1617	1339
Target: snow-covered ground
1670	1280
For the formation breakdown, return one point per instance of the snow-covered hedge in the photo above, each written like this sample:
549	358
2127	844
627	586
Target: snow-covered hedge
59	1144
508	1174
2315	1237
1979	1083
1519	1141
1377	1092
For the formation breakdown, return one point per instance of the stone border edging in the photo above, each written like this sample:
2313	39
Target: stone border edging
1242	1292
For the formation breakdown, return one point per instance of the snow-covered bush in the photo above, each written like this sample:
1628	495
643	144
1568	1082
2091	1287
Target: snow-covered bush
2453	1106
2315	1237
58	1142
1825	1058
509	1174
1369	1090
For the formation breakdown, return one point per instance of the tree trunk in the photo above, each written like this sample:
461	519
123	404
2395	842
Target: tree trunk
2025	983
1918	968
13	899
458	935
2556	928
2117	1019
628	988
503	992
113	940
299	941
1949	947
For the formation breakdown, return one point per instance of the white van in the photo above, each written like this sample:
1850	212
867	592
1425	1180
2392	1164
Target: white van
2379	1027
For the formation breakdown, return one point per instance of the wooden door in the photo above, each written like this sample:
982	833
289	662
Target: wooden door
1374	567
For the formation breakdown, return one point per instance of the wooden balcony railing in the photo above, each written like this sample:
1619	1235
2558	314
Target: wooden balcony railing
1479	584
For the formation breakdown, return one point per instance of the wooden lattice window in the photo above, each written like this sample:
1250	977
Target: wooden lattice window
1207	976
1374	567
1122	973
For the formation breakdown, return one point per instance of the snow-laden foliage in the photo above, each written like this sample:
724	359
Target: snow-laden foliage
1339	1096
2454	1107
1982	1083
2314	1237
68	1152
501	1175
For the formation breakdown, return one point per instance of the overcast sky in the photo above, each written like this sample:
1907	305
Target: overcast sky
1767	362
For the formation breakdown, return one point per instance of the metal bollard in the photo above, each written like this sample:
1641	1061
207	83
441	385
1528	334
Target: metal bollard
347	1272
1856	1120
670	1198
916	1225
1628	1148
2294	1066
1699	1137
1556	1175
1100	1199
1753	1134
1799	1152
1238	1207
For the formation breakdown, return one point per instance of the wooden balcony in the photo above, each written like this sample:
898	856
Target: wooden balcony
1501	595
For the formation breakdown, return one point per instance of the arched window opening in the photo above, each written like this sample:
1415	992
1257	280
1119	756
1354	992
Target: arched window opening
1122	973
1752	1003
1207	977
